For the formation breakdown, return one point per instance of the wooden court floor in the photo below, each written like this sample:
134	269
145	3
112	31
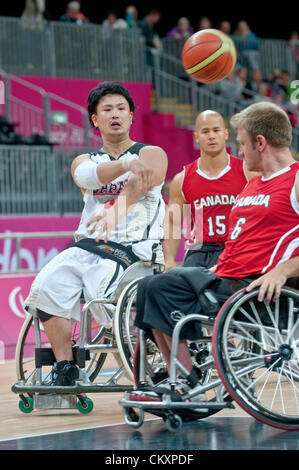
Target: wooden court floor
106	411
104	428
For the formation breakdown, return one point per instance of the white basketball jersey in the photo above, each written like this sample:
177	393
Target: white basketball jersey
142	227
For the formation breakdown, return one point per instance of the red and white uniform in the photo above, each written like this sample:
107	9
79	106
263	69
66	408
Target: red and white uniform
263	226
211	200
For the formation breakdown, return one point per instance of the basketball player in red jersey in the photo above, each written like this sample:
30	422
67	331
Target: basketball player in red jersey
263	237
208	187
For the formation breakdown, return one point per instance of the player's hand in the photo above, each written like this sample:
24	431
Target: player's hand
145	175
269	284
102	223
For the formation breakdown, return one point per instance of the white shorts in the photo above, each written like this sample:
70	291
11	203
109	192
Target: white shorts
58	287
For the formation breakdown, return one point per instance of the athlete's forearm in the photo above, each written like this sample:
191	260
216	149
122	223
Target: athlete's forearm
270	284
289	268
172	239
109	171
170	249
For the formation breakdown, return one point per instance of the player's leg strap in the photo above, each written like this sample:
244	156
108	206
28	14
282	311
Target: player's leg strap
121	254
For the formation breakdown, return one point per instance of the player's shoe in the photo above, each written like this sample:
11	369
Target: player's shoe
155	394
65	374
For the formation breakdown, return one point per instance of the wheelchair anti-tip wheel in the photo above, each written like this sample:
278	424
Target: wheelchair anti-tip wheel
256	351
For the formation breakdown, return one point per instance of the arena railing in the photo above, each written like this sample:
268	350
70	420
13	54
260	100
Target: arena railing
40	119
59	49
18	237
37	180
270	54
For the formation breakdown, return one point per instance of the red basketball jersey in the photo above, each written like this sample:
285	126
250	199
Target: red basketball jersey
210	201
263	226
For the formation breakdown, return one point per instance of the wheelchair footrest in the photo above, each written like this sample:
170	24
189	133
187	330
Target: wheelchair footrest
55	402
78	389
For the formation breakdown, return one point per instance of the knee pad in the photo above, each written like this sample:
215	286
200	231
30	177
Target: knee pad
43	316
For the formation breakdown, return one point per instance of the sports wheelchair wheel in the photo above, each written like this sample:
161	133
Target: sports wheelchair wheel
126	334
25	351
256	351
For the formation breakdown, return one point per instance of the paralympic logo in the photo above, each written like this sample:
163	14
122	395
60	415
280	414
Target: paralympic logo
15	301
295	94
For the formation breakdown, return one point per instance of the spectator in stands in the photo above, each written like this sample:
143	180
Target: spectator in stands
231	88
34	10
183	30
152	40
247	45
226	27
247	94
81	15
148	25
243	75
114	22
73	14
204	23
275	82
281	100
255	81
262	93
132	17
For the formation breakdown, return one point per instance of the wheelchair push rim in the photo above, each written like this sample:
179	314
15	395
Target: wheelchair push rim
256	352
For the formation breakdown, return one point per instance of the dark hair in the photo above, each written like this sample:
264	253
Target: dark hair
107	88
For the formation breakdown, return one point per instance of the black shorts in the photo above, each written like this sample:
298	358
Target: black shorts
206	256
163	299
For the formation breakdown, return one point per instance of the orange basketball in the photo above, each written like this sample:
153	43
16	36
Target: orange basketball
209	56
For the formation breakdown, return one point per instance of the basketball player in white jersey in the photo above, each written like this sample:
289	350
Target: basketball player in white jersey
121	167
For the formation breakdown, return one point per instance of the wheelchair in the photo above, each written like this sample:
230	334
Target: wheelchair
248	354
92	343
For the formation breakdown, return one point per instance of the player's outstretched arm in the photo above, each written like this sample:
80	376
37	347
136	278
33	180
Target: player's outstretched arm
146	173
173	222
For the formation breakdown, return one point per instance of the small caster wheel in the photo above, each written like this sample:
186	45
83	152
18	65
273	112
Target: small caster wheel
85	405
26	405
174	423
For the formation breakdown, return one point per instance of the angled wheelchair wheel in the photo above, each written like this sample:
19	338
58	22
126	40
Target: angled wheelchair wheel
126	334
256	351
25	351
